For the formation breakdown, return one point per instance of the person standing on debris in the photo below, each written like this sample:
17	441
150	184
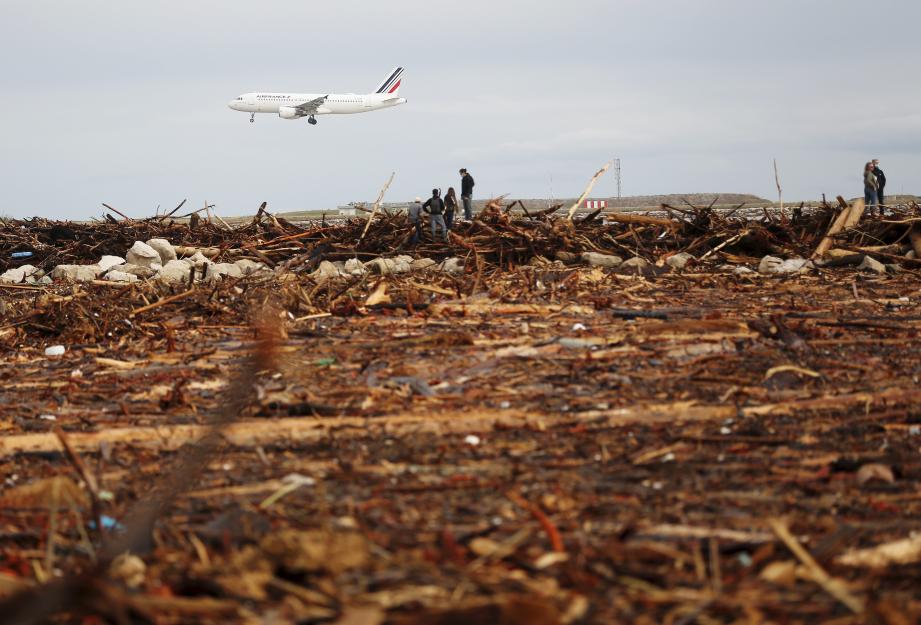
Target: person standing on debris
467	193
450	207
880	181
435	207
870	186
415	218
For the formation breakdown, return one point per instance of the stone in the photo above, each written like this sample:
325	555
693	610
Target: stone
18	274
198	260
249	267
142	254
107	262
452	265
601	260
175	271
679	260
355	267
421	264
779	266
140	272
383	266
164	248
326	271
230	270
634	263
871	265
113	275
75	273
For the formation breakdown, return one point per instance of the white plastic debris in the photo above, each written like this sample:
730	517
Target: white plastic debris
55	350
576	327
47	417
472	440
725	431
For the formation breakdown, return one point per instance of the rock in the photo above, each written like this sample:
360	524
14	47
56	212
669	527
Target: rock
128	569
387	266
601	260
403	259
55	350
741	270
18	274
421	264
175	271
452	265
198	260
326	271
355	267
230	270
107	262
120	276
140	272
76	273
871	265
142	254
634	263
774	265
679	260
45	280
164	248
249	267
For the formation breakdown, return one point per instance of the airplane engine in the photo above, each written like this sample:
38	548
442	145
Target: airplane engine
287	112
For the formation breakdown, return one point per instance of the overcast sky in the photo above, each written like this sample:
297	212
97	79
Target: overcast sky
126	102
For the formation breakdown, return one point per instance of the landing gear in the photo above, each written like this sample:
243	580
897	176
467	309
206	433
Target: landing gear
312	120
252	118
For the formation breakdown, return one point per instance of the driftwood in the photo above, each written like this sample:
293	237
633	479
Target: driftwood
847	218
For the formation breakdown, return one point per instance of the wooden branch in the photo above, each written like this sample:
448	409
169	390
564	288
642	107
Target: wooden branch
377	205
646	220
833	586
588	189
118	212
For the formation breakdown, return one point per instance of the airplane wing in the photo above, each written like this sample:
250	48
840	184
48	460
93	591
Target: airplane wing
310	107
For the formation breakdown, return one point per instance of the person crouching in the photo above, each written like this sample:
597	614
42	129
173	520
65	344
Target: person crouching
414	212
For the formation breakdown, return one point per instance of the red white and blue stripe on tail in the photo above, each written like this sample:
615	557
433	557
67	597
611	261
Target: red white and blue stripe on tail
392	84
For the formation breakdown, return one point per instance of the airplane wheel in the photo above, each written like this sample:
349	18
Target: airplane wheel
312	121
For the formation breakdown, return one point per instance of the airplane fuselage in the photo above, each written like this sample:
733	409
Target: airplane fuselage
334	103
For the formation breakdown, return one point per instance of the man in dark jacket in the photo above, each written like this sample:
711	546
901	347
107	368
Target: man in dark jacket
881	181
435	207
467	193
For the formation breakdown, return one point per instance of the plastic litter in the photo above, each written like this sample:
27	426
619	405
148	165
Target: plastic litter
55	350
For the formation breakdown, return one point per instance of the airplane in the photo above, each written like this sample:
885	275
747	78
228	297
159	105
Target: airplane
297	105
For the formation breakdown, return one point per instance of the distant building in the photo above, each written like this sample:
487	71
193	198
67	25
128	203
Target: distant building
594	204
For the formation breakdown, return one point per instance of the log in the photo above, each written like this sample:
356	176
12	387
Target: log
646	220
847	218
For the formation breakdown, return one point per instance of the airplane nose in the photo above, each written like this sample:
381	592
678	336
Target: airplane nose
232	104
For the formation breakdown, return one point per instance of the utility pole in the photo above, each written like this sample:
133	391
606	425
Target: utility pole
617	175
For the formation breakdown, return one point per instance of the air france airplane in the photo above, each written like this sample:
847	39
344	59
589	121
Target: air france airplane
297	105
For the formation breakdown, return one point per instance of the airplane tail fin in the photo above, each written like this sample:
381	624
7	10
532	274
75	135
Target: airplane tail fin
391	86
